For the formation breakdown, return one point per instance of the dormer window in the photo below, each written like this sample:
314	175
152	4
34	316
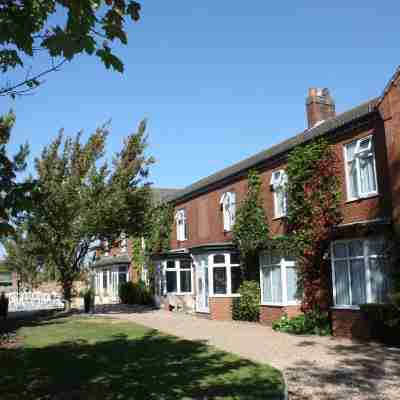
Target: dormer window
278	186
181	225
228	207
361	168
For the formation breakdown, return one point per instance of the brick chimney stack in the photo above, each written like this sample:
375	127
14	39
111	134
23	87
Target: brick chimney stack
319	105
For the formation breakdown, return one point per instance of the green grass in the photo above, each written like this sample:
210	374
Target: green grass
90	358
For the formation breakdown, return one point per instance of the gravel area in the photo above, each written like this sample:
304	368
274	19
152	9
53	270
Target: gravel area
321	368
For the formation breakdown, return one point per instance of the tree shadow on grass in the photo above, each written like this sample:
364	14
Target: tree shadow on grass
362	371
151	367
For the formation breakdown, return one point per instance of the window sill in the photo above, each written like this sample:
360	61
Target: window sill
279	304
224	295
358	199
277	218
180	293
355	308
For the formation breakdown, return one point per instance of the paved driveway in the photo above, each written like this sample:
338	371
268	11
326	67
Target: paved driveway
315	367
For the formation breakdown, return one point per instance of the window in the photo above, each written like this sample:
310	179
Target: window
122	274
360	168
226	274
278	185
278	276
105	279
5	279
360	272
179	276
228	206
181	225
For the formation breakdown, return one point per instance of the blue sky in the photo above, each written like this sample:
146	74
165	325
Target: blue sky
218	80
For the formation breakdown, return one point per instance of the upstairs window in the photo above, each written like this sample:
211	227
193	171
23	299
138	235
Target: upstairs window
361	168
181	225
278	186
228	206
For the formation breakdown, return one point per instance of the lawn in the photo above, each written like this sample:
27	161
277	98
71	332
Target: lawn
91	358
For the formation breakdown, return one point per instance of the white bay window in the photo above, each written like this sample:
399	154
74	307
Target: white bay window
226	275
278	276
359	272
178	276
361	168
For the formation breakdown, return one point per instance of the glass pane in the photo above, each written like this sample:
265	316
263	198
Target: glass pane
185	264
280	198
170	264
376	247
291	282
235	259
171	282
379	276
267	294
356	248
219	259
236	279
276	285
339	250
219	276
342	284
352	178
350	149
186	281
206	286
105	281
358	282
367	175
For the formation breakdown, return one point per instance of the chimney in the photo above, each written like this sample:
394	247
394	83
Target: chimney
319	105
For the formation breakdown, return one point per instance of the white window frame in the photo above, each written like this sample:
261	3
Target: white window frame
180	218
278	185
228	266
284	264
228	205
366	257
177	269
357	156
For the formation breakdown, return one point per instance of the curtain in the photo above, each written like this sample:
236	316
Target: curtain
379	279
291	282
342	283
367	175
358	282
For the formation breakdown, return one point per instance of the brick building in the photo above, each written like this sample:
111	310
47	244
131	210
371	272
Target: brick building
201	271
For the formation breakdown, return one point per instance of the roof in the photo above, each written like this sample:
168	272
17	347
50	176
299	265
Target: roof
112	260
389	85
161	194
328	126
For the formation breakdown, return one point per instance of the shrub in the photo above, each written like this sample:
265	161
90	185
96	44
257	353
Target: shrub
88	299
247	306
304	324
135	293
3	306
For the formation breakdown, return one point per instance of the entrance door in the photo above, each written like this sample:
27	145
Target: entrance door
202	284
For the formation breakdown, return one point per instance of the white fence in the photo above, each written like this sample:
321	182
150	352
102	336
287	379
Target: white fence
32	301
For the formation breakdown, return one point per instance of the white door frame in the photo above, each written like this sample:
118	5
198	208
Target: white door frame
202	283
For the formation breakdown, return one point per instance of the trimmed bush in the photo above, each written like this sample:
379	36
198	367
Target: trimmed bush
135	293
88	299
247	306
384	321
3	306
304	324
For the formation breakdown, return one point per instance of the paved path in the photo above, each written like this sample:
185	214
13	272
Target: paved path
316	367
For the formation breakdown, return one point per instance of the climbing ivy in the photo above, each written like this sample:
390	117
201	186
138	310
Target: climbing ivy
313	191
250	231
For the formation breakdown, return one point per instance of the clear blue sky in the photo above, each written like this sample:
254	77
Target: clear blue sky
218	80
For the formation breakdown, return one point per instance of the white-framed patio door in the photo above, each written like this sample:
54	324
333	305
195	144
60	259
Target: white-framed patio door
202	284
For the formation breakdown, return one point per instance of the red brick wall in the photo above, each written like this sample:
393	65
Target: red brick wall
221	308
350	324
269	314
205	217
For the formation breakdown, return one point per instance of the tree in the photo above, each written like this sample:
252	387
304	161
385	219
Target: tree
250	231
80	200
14	196
59	30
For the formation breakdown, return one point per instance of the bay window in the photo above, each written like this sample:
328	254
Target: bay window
228	206
178	275
359	272
278	275
361	168
5	279
226	274
278	185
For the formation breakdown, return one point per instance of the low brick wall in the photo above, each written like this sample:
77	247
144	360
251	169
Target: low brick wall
269	314
350	324
221	308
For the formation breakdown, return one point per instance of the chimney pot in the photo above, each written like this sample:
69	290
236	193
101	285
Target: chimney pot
319	105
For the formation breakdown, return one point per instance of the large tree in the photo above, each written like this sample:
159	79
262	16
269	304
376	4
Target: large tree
14	196
58	30
80	199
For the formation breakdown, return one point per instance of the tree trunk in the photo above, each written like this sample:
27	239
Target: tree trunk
67	294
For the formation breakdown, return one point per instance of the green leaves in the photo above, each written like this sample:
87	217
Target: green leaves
110	60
